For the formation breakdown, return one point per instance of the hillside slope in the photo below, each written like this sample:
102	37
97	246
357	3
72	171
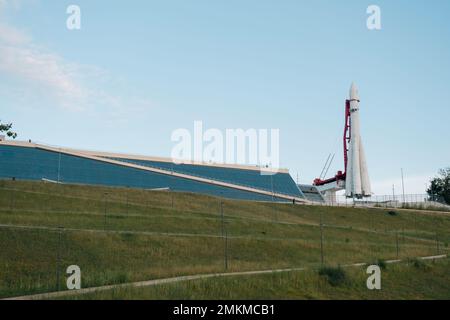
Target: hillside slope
124	235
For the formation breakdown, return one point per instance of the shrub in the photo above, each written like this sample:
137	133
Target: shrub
122	277
335	276
419	264
393	213
128	236
381	263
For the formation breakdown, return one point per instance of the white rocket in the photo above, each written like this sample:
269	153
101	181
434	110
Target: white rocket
357	177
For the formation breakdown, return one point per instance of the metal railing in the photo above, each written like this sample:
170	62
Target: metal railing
407	201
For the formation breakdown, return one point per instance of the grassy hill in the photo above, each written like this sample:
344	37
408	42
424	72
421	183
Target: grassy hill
119	235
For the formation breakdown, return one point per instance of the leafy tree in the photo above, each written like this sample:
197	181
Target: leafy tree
439	189
7	129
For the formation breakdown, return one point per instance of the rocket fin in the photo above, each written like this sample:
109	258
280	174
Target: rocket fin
365	181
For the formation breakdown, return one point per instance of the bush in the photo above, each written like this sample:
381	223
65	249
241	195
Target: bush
381	263
122	277
393	213
418	264
335	276
128	236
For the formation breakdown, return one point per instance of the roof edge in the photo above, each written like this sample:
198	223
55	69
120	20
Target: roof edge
142	157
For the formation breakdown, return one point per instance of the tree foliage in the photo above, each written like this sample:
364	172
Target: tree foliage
439	189
6	128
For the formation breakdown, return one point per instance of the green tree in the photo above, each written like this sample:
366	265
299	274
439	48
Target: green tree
439	189
7	129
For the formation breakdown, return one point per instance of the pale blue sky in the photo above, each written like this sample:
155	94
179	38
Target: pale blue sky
137	70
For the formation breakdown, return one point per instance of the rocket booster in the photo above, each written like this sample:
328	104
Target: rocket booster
357	176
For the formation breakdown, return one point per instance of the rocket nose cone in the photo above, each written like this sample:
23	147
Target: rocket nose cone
354	95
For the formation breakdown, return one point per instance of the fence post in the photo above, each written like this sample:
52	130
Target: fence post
224	237
437	244
58	260
222	218
396	240
13	200
127	200
105	210
274	211
226	250
415	223
321	240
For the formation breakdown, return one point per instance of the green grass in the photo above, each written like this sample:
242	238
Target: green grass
399	281
119	235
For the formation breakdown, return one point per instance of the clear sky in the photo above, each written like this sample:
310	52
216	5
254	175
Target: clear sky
138	70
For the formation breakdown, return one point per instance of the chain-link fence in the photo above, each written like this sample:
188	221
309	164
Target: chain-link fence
407	201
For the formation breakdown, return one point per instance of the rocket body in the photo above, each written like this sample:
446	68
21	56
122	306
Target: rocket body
357	176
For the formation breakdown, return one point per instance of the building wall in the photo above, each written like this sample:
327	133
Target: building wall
26	163
279	183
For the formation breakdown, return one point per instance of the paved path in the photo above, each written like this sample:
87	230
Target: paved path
62	294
